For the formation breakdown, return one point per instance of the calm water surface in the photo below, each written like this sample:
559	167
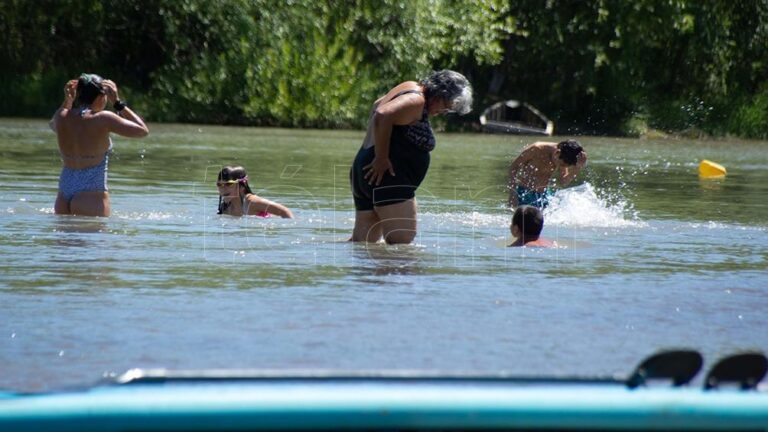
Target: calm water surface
651	257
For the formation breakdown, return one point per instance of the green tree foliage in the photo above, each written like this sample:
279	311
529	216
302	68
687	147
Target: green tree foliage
594	66
270	62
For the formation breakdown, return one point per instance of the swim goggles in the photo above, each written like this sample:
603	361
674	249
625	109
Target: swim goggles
231	182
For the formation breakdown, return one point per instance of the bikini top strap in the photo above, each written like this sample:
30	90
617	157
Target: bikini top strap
418	92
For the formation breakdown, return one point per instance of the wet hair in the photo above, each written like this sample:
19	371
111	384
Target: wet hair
450	86
233	173
569	151
89	87
529	219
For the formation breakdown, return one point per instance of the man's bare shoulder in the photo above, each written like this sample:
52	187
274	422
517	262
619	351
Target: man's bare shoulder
537	150
543	144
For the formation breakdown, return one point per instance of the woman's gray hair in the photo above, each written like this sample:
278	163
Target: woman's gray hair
450	86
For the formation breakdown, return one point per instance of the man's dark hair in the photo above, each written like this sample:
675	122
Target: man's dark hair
529	220
569	151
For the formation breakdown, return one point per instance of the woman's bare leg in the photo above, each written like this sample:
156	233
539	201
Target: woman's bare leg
398	221
61	207
367	227
95	203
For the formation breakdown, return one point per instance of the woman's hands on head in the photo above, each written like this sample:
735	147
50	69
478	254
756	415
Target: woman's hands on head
125	122
70	90
110	88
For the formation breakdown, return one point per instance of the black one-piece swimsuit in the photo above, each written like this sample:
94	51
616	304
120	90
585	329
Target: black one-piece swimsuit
409	148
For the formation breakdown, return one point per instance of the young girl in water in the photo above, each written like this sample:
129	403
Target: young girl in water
237	199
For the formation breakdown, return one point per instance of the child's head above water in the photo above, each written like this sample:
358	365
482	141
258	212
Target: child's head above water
527	222
232	181
231	173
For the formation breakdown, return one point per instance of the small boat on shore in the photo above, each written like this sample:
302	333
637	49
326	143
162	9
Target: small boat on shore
514	117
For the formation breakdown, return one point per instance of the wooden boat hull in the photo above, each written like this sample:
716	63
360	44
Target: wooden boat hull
515	117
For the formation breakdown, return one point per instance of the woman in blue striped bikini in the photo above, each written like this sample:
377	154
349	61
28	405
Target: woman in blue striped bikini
82	127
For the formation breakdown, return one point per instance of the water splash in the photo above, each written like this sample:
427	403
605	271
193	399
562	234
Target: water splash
581	206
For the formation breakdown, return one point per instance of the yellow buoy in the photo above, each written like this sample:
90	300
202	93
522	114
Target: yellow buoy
709	169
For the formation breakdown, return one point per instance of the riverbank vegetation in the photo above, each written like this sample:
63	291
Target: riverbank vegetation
593	66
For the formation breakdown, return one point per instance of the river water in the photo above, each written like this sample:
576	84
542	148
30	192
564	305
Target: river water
650	257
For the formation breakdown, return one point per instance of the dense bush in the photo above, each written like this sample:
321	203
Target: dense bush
594	66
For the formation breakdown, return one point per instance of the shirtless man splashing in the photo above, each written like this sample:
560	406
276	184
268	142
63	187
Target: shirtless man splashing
530	173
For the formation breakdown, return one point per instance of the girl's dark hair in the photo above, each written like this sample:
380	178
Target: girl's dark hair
89	87
569	151
233	173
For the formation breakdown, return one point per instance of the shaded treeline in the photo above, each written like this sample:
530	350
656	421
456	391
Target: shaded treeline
594	66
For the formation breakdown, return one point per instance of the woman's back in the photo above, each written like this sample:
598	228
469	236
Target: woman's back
83	139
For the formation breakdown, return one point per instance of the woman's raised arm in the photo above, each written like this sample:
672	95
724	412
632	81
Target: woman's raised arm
126	122
70	89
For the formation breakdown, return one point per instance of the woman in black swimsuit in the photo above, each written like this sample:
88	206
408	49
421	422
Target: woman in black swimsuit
394	157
